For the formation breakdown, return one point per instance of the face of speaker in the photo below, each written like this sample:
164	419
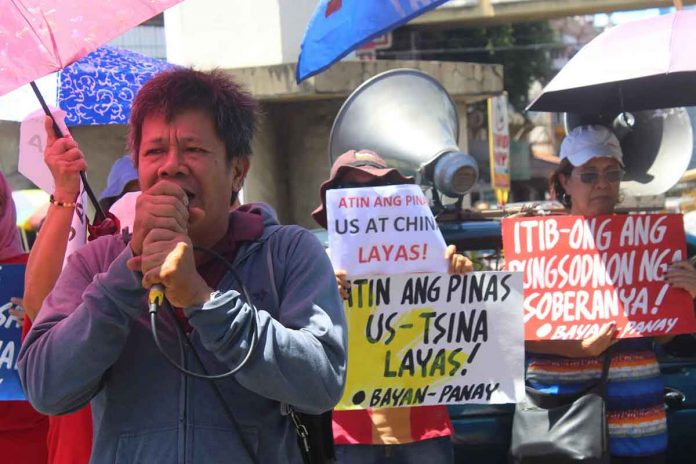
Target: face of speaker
593	187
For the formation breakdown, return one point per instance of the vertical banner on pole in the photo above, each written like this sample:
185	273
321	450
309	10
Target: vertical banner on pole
499	143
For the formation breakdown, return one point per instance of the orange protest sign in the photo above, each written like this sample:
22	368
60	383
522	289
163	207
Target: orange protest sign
581	273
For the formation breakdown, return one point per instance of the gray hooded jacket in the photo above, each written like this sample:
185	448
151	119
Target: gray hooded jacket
92	342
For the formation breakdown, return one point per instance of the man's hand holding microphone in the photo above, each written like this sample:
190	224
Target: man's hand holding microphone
162	248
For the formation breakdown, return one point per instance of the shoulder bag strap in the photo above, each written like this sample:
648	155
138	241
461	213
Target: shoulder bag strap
300	429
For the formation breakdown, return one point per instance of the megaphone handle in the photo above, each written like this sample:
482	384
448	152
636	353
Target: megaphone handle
100	216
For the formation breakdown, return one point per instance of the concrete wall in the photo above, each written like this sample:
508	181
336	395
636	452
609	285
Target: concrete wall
236	33
291	150
291	158
102	145
9	149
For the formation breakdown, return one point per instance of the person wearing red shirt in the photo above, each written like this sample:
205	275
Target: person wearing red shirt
69	438
380	435
22	429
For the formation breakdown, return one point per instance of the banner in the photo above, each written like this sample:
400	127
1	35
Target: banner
383	230
499	141
426	339
11	285
581	273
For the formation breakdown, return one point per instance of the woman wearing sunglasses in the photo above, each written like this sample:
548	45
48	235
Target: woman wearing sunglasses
587	183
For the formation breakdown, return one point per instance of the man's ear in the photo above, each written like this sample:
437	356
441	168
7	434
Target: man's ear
240	169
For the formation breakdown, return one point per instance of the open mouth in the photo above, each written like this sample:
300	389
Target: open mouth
190	195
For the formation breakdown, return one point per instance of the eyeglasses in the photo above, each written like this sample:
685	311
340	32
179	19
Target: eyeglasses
592	177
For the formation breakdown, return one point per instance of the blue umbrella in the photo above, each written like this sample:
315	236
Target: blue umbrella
99	88
338	27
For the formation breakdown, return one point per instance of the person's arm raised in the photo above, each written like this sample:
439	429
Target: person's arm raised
65	161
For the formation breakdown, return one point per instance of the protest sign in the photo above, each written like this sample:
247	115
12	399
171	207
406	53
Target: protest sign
431	338
31	164
383	230
581	273
11	285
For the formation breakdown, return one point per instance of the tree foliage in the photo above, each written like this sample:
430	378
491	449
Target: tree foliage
524	49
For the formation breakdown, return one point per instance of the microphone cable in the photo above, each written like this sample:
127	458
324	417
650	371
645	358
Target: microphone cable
156	299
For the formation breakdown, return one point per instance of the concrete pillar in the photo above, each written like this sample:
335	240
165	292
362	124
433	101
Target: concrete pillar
236	33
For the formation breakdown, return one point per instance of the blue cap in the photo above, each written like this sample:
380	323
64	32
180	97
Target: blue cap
121	173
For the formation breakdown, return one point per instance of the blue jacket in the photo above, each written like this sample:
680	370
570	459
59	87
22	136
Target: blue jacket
92	342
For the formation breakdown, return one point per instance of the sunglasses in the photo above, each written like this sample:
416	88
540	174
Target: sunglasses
592	177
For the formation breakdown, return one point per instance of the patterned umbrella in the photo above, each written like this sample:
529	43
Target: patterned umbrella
99	88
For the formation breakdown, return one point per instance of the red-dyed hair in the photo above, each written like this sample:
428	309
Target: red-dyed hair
233	109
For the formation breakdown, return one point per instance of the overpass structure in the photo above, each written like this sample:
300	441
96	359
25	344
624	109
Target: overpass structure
479	12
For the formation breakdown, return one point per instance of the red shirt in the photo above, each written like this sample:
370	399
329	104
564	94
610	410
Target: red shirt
390	426
69	437
245	224
22	428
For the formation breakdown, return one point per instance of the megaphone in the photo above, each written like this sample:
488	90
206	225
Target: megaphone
656	145
409	119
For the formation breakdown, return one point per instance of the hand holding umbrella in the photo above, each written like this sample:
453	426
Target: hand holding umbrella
53	130
65	161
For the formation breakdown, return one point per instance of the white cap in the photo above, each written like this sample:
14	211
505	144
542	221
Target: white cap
586	142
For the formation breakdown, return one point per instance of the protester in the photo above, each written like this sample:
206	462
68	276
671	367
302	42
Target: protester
22	429
398	435
69	435
587	183
190	133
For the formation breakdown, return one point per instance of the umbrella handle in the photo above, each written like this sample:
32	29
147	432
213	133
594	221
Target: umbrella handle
59	133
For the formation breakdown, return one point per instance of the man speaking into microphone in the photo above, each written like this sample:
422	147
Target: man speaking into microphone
190	135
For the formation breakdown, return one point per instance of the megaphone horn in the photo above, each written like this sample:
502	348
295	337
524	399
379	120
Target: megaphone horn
409	119
656	146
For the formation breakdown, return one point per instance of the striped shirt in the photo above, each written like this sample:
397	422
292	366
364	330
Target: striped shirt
635	405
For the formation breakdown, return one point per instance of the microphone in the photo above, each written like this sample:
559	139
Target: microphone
155	298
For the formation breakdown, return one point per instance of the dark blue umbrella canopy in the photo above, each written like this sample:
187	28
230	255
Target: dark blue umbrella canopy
99	88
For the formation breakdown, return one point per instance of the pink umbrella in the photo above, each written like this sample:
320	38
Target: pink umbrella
635	66
38	37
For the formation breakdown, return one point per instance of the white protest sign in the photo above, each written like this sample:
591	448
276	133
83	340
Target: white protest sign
32	142
78	228
426	339
383	230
